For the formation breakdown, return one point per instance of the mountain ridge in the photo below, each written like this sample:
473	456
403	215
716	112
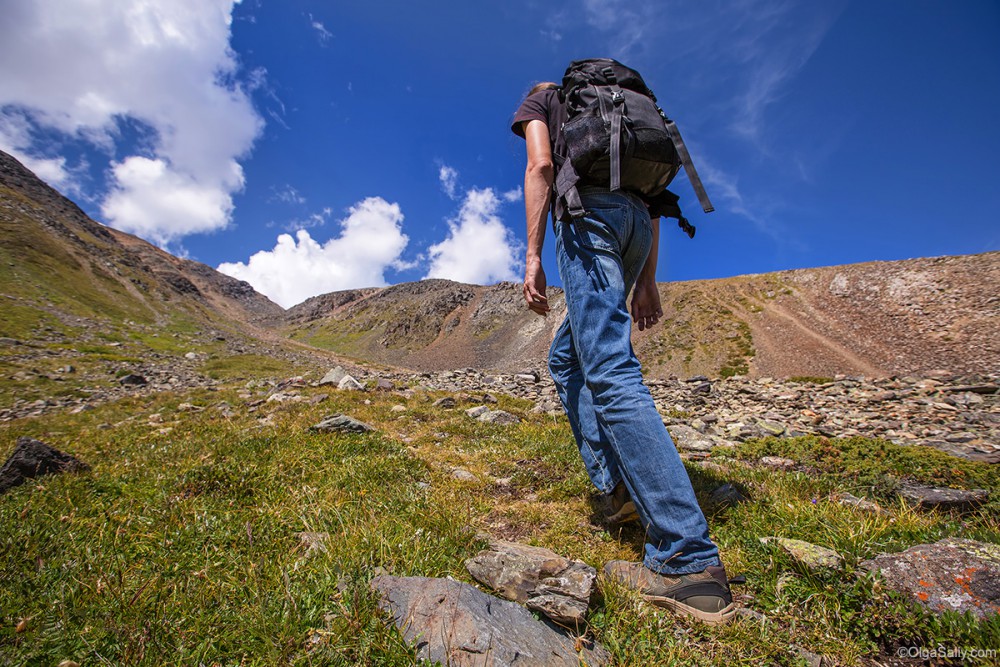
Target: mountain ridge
879	318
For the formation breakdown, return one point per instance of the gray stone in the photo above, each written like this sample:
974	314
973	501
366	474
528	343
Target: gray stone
688	438
845	498
457	624
809	555
476	411
950	575
770	428
776	462
384	385
537	577
133	380
463	475
348	383
32	458
446	403
929	497
333	376
341	424
498	417
727	495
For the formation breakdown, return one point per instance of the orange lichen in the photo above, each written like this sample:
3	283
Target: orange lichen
923	596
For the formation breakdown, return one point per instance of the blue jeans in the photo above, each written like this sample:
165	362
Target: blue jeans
620	434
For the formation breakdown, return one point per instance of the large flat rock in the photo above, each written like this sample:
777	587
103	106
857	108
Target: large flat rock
457	624
950	575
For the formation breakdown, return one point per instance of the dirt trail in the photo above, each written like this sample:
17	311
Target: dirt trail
785	341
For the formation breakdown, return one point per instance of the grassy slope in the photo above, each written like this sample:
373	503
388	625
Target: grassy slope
181	546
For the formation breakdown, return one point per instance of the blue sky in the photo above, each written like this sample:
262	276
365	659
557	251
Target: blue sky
314	146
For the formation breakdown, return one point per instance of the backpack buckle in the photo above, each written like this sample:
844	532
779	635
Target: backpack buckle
617	97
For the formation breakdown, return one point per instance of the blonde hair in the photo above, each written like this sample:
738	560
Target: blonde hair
540	86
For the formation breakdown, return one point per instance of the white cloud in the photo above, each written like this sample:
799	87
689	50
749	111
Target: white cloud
513	195
84	66
162	204
371	241
324	34
449	180
479	249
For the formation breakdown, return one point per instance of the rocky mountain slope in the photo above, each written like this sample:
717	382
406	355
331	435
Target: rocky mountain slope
65	276
876	319
56	263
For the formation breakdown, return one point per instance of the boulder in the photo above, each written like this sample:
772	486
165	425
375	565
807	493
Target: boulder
929	497
457	624
348	383
950	575
333	376
688	438
810	556
32	458
341	424
498	417
536	577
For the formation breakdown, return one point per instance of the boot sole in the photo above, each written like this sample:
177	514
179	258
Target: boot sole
724	615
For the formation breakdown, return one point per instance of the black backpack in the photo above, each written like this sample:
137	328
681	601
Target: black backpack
617	137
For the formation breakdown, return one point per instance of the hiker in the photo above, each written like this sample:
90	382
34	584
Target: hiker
603	254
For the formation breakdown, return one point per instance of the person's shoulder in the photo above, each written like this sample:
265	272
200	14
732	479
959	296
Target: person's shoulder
535	107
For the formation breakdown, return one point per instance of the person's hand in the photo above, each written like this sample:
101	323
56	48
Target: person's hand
646	304
534	287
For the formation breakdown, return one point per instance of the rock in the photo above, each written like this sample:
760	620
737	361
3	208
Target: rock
727	495
398	408
457	624
985	454
528	376
348	383
703	388
950	575
688	438
446	403
770	428
191	356
498	417
845	498
318	398
132	380
32	458
811	556
538	578
476	411
333	376
928	497
776	462
341	424
384	385
463	475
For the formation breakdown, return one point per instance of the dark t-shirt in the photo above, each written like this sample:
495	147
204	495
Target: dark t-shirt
546	107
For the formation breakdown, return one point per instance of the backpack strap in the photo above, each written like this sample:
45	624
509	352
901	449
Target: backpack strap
692	173
566	195
615	114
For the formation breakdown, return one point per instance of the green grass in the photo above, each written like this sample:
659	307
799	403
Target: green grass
181	546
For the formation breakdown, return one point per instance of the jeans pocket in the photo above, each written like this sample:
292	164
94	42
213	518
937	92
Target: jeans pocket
593	230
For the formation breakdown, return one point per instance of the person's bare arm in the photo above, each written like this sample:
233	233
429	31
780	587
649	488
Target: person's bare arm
646	309
537	192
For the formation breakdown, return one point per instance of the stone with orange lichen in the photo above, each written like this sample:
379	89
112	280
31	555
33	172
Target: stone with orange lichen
950	575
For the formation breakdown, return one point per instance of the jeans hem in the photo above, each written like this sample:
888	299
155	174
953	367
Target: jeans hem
690	568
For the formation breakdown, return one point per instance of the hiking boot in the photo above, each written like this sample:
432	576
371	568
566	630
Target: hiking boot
704	595
621	509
